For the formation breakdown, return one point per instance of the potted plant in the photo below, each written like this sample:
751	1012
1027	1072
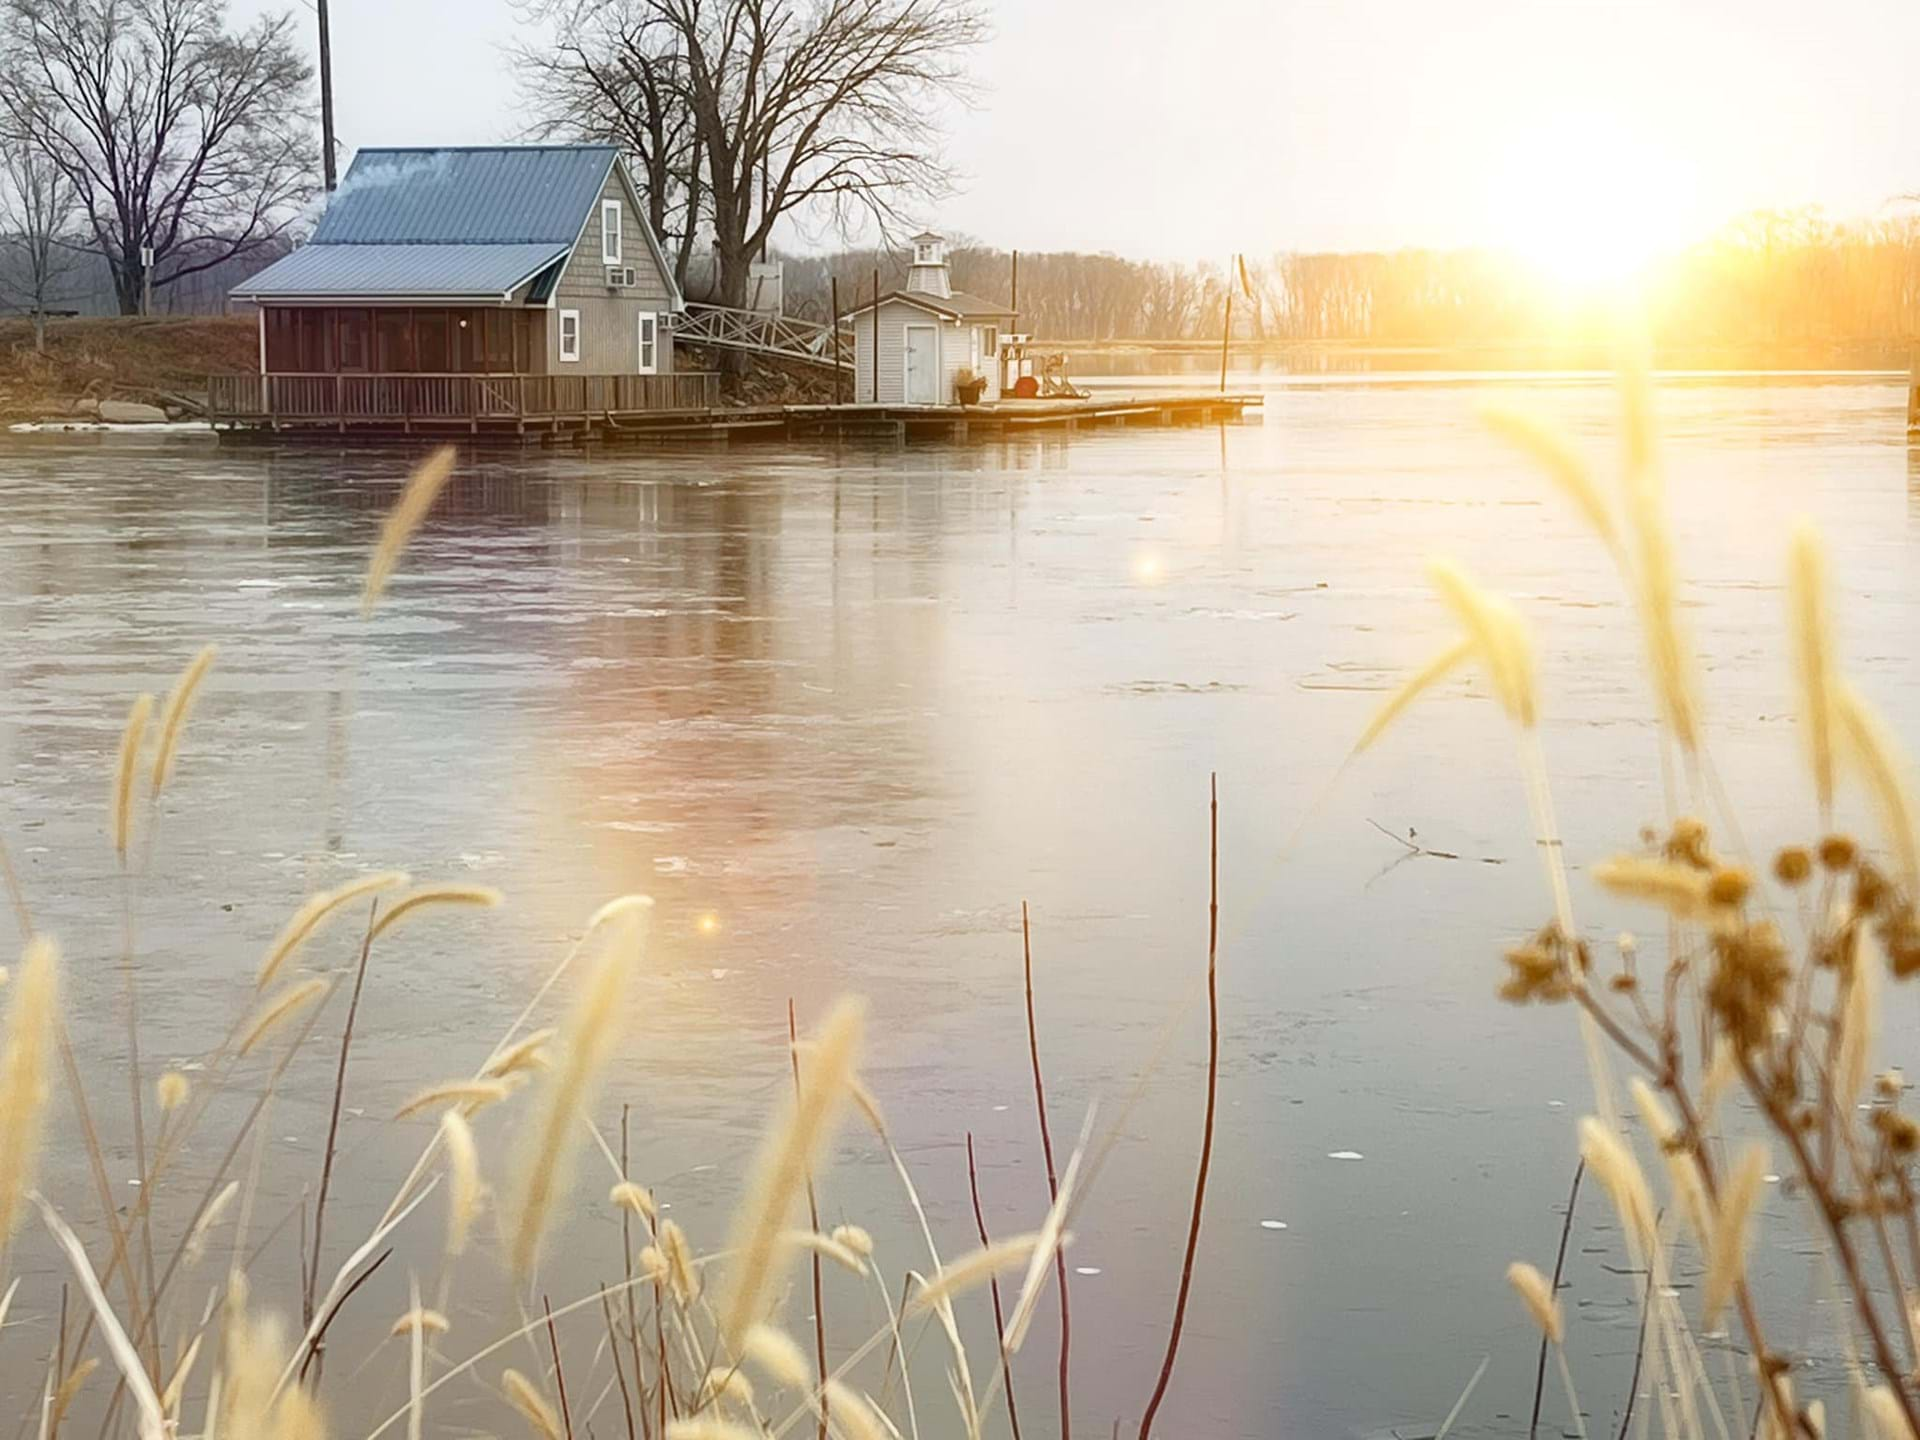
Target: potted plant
969	386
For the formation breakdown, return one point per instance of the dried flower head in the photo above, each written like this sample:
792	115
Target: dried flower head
629	1196
1792	866
1729	886
431	1322
170	1091
1837	852
1749	982
855	1239
1536	1293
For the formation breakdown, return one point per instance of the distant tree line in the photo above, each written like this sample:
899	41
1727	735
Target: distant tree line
1772	278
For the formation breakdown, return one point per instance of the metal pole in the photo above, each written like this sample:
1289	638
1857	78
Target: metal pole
833	337
326	97
1014	303
876	334
1226	334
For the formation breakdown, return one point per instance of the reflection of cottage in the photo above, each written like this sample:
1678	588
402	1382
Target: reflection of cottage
929	333
500	260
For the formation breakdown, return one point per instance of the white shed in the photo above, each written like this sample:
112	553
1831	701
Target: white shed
928	334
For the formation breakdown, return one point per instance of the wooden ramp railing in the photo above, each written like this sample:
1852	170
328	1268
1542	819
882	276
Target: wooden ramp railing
811	342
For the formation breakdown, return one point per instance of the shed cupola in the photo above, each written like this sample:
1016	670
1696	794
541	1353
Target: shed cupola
929	275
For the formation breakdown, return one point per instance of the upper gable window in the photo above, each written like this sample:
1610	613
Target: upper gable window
610	232
925	254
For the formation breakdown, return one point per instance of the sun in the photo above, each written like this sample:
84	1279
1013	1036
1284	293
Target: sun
1588	204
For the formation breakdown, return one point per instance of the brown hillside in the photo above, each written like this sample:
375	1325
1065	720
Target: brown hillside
119	359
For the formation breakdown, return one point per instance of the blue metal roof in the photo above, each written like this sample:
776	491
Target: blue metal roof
478	272
491	195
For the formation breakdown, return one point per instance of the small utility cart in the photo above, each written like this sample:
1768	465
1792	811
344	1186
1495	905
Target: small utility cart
1029	373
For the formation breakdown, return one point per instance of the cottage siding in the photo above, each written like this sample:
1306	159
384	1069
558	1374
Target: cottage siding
609	318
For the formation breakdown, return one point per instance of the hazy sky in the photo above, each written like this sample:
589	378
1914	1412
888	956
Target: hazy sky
1187	128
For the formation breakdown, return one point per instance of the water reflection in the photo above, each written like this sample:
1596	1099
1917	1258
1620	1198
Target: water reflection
841	709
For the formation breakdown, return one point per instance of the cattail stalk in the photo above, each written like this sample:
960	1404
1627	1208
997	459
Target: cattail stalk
25	1066
1416	685
131	737
416	499
468	1095
525	1397
789	1153
464	1187
1549	450
314	913
1732	1232
586	1042
978	1267
481	896
174	714
1813	655
1871	746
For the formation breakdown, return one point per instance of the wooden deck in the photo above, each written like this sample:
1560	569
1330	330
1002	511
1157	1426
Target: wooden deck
620	408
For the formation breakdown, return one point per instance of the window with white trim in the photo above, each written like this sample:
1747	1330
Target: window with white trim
649	343
569	335
610	232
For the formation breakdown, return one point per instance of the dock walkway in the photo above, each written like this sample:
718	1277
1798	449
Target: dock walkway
991	419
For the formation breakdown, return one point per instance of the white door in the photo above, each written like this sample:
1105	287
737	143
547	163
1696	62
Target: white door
923	365
649	343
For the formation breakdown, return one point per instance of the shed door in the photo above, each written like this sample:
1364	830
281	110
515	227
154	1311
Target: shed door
923	365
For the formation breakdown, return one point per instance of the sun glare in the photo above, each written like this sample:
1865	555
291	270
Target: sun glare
1589	204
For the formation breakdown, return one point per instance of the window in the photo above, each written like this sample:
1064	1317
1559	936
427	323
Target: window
393	341
432	345
610	232
992	342
924	253
649	343
355	328
569	335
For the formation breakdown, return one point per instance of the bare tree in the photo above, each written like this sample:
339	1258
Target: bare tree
176	132
798	107
37	239
616	77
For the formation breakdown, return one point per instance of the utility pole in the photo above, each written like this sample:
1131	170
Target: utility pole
326	97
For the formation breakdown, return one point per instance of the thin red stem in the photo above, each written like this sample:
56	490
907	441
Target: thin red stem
1053	1183
993	1282
1206	1129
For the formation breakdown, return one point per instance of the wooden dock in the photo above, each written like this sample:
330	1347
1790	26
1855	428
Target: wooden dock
590	424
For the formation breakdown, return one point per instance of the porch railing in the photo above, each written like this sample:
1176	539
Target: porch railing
374	398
